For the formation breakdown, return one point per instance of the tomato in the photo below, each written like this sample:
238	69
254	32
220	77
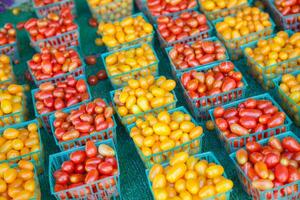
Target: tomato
90	149
218	112
294	174
101	74
91	176
93	80
214	171
253	146
90	60
263	184
281	173
228	84
226	67
76	178
271	160
176	172
68	166
221	124
224	186
275	143
79	168
155	169
290	144
105	150
78	156
276	120
159	181
230	112
238	129
61	177
112	161
255	157
105	168
241	156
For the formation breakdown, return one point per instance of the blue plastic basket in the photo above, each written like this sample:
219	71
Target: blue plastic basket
210	158
233	45
193	146
109	192
176	71
68	39
120	80
200	106
213	15
271	193
98	136
265	74
233	144
43	11
45	117
6	83
129	119
199	36
145	39
37	157
11	50
288	22
77	72
112	11
289	105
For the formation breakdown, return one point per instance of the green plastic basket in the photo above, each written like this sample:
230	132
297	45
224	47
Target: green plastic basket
265	75
145	39
289	105
120	80
234	45
200	106
36	157
211	158
112	11
280	192
11	50
111	191
43	11
233	144
176	71
97	136
193	146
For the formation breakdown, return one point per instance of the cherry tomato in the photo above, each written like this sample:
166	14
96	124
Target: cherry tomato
78	157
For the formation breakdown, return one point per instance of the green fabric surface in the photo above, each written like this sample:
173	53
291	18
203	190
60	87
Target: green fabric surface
134	183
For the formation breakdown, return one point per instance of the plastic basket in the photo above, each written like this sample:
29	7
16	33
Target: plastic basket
5	84
200	106
289	105
213	15
120	80
112	11
76	72
45	117
147	38
97	136
141	4
198	36
68	39
234	144
176	71
37	157
193	146
110	190
211	158
11	50
233	45
280	192
265	74
43	11
288	22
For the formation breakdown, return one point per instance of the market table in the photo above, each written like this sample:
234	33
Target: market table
134	183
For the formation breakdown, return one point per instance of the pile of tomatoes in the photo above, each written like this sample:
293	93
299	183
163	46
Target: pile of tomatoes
289	85
6	73
51	97
52	62
18	182
272	165
7	34
200	52
188	177
164	7
180	27
288	7
50	26
219	79
250	116
87	166
215	5
86	120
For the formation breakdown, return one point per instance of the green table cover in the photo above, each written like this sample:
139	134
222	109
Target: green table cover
134	185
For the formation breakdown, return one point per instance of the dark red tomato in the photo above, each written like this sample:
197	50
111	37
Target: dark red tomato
253	146
271	160
290	144
281	173
105	168
90	60
248	122
79	168
112	161
90	149
255	157
78	156
91	176
222	124
93	22
68	166
102	75
250	103
59	187
61	177
230	112
218	112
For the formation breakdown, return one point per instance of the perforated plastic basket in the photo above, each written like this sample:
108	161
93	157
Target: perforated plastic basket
176	71
106	188
211	158
45	117
200	106
288	191
11	50
201	35
43	11
193	146
236	143
265	74
37	157
112	11
288	104
5	84
120	80
77	72
96	136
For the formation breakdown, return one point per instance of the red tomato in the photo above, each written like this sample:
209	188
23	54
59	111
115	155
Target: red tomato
105	168
248	122
261	169
91	176
76	178
93	161
255	157
238	129
81	86
228	84
290	144
112	161
221	124
78	156
253	146
230	112
294	174
250	103
232	120
241	156
272	159
275	143
218	112
254	113
262	104
68	166
90	149
281	173
61	177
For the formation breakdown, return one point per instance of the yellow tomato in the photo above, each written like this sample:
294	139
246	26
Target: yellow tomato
178	158
161	129
176	172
